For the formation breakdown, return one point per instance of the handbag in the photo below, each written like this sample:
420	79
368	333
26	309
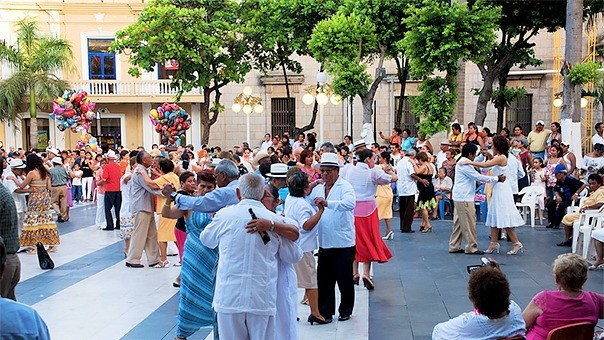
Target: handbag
480	197
43	257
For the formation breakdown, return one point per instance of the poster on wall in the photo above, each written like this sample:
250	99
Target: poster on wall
42	139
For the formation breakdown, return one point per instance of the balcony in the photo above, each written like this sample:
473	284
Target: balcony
133	91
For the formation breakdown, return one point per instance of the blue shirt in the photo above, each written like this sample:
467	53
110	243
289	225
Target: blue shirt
210	202
21	322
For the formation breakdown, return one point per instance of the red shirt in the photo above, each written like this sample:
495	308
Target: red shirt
112	175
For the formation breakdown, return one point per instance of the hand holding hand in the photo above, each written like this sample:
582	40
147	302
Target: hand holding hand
256	225
167	190
501	178
320	202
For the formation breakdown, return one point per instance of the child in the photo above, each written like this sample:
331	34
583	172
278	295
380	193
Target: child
76	183
538	179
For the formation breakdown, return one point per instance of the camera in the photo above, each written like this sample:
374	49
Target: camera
485	263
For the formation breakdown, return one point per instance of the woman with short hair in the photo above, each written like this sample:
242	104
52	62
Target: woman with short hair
567	305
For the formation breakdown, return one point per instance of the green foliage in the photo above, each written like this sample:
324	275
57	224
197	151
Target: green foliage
440	34
435	105
343	44
583	73
204	36
34	58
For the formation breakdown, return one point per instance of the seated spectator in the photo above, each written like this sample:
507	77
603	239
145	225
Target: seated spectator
594	201
598	236
567	189
567	305
494	315
19	321
442	188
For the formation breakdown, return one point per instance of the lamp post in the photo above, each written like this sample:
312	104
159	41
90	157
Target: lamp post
248	103
322	93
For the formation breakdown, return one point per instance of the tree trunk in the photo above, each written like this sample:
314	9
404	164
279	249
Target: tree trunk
204	115
367	101
484	97
288	105
33	122
571	107
500	102
402	70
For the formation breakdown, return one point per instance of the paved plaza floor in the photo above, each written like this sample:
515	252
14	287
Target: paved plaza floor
92	295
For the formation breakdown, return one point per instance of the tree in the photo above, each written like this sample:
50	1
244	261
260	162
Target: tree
362	32
203	35
439	35
278	29
34	58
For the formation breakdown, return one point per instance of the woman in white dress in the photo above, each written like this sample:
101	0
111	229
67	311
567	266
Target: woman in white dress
503	213
126	216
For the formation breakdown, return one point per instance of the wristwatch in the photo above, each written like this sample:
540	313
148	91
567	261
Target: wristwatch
173	195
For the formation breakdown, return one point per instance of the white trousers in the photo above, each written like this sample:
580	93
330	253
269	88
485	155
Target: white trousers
243	326
100	221
87	188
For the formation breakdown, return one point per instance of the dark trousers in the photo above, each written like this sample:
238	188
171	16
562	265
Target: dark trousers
113	199
335	266
555	214
406	205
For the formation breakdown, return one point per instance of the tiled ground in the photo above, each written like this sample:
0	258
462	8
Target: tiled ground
92	295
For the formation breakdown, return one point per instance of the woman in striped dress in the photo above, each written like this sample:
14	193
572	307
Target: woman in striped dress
196	274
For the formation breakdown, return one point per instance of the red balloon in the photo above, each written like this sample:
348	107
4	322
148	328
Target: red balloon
84	108
69	113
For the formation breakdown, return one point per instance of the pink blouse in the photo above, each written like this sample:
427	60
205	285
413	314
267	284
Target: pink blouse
560	309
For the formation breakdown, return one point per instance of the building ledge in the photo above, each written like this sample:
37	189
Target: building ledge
134	91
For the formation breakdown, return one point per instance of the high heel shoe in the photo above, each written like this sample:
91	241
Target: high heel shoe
596	266
389	236
421	228
427	230
493	248
368	283
312	319
516	247
356	278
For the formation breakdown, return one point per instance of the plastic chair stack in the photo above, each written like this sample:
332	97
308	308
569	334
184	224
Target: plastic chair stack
530	200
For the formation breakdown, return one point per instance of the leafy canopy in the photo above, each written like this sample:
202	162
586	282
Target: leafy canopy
204	36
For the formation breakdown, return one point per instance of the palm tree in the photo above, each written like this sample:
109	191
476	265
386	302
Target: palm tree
33	60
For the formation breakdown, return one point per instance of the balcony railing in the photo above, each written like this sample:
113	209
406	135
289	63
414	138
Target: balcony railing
128	87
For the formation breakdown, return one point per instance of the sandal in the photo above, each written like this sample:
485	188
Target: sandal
162	264
31	251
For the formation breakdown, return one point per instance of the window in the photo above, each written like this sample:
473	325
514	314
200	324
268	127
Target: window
101	64
409	120
520	112
43	133
281	120
167	70
110	135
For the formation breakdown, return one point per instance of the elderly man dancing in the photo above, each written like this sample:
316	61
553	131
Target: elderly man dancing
246	280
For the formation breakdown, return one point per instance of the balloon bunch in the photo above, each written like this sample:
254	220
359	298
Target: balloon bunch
171	121
73	111
85	139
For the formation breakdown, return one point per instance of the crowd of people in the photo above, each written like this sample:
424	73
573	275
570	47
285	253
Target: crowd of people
302	200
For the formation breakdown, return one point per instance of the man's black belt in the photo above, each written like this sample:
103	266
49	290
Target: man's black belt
60	185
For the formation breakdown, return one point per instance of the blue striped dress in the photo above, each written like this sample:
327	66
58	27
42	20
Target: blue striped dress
196	280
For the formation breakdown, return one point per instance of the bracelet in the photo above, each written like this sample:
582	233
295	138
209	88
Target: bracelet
168	204
272	226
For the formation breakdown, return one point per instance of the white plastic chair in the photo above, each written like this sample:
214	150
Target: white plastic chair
529	202
586	230
586	221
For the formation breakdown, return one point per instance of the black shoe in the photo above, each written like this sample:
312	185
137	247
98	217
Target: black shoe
549	226
313	319
343	318
407	231
60	220
117	228
134	265
153	264
458	251
108	229
567	243
478	252
175	285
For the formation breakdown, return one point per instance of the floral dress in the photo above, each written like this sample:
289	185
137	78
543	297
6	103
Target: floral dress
39	225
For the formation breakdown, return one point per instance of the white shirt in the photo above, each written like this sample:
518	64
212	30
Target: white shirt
440	158
20	202
597	139
405	185
475	326
365	180
515	172
465	181
300	210
336	226
245	263
447	182
265	145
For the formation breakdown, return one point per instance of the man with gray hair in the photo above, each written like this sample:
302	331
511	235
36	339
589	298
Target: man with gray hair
226	174
246	279
406	187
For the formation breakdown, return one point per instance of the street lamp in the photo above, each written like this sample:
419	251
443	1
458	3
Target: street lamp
248	103
322	93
